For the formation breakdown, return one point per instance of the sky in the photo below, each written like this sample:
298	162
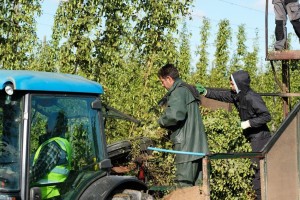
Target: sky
248	12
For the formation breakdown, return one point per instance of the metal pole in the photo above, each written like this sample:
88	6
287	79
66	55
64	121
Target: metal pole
266	29
206	185
285	86
263	178
176	152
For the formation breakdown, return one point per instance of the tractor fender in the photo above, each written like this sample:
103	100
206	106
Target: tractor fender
106	186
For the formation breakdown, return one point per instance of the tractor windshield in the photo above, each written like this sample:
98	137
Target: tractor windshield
10	131
65	140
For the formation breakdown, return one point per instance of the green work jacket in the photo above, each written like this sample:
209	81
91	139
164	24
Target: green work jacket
183	119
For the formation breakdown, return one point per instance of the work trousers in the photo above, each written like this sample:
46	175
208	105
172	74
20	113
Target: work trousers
189	174
282	8
257	142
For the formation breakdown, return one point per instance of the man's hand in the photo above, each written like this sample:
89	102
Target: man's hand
201	89
245	124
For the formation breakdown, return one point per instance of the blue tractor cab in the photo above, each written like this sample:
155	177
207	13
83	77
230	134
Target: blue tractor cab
41	111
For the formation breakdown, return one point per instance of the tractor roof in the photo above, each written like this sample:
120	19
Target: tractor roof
48	81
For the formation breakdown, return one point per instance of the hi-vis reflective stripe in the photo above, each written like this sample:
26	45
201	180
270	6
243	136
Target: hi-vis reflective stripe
58	174
46	181
60	170
61	143
66	146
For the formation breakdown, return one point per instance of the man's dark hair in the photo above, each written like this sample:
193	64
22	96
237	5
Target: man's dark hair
57	124
168	70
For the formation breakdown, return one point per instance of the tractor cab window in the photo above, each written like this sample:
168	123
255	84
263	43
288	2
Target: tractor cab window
64	139
10	131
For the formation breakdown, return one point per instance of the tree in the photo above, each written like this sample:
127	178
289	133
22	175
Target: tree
43	58
241	50
73	36
184	59
230	178
251	60
17	33
201	73
219	72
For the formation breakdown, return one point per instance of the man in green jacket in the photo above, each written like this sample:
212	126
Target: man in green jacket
183	119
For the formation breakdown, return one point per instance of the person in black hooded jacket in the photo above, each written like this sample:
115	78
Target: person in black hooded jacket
253	113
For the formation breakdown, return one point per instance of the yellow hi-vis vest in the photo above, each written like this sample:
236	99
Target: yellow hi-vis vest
59	173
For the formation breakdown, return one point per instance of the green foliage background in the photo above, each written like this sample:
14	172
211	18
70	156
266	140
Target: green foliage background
122	44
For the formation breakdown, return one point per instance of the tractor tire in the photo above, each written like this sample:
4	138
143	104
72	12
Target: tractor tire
119	152
132	195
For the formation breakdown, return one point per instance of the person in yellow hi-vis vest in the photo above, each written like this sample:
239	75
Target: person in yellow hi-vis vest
52	160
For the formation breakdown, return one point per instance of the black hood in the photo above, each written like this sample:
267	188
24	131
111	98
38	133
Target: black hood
242	80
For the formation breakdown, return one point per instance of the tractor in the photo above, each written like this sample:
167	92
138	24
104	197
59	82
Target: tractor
33	102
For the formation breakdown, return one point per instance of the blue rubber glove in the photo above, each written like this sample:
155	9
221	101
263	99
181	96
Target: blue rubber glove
201	89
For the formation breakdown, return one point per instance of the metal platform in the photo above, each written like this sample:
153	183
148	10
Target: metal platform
284	55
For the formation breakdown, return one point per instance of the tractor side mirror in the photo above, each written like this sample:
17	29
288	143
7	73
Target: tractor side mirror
96	104
105	164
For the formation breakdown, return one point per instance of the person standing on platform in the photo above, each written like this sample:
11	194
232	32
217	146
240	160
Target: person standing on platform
253	113
282	8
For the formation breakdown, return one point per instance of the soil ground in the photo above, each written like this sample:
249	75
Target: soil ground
189	193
